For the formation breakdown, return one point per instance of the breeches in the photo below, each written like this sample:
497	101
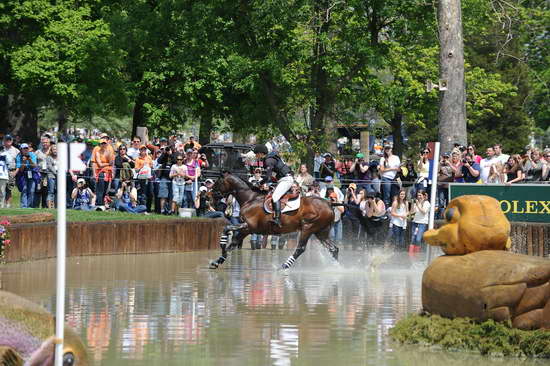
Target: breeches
282	187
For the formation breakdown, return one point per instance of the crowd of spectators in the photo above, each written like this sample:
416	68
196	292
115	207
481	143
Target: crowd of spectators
381	193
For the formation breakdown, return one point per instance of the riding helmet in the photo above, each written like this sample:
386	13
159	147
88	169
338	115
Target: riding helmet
260	148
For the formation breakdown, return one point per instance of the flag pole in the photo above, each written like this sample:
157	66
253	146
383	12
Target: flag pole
62	163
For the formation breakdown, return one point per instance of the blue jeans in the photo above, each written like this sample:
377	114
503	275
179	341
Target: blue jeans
188	199
336	231
126	207
52	188
27	195
213	214
83	208
417	233
398	235
387	190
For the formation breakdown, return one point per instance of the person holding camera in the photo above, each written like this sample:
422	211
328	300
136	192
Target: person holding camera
421	210
127	199
360	171
374	211
204	205
82	196
423	171
470	170
27	175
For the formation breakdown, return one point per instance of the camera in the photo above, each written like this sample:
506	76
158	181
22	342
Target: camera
464	161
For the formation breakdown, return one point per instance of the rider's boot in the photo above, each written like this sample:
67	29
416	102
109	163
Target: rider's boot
276	213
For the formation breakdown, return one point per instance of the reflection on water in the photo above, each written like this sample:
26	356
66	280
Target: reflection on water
169	308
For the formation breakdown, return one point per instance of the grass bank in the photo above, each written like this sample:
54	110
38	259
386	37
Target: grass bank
80	216
463	334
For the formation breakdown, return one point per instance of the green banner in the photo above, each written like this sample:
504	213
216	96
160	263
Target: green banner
520	202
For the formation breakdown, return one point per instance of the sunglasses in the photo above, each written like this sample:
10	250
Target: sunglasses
179	159
425	152
136	142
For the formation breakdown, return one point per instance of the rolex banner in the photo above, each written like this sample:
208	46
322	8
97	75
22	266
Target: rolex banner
520	202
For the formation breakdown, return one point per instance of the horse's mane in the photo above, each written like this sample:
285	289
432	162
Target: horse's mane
242	183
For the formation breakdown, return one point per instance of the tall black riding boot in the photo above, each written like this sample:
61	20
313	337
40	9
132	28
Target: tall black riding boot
277	213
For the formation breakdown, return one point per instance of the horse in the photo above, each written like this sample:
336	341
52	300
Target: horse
314	217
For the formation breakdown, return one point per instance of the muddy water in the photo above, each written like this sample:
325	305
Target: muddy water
169	309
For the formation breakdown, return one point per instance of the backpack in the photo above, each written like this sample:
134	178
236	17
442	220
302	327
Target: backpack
126	173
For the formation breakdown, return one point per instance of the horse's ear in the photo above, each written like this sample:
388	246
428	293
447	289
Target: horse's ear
225	173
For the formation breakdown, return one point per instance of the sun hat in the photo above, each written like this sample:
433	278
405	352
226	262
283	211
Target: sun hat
24	146
203	189
360	155
328	178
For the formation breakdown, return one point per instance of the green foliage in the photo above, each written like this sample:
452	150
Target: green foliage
463	334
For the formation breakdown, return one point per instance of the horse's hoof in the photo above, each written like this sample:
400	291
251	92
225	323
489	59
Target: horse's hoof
213	265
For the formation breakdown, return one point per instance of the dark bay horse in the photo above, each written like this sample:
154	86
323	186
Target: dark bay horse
314	216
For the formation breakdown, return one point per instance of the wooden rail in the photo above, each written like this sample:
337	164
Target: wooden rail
37	241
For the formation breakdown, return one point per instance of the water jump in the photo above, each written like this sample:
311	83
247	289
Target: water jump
264	214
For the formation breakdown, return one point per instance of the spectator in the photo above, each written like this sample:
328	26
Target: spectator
472	151
330	187
421	211
317	161
82	196
204	205
192	172
444	177
361	173
5	162
374	210
398	222
423	170
354	197
499	156
256	180
456	166
389	166
327	168
164	164
470	170
127	199
496	175
191	144
133	151
546	165
12	152
534	166
177	174
27	175
233	213
144	168
513	170
336	228
342	170
41	192
124	165
303	178
486	163
103	158
314	190
51	173
203	161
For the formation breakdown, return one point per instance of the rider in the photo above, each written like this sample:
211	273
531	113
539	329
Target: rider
272	162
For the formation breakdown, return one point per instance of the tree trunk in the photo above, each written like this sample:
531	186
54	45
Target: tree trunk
138	119
396	123
205	128
452	105
62	120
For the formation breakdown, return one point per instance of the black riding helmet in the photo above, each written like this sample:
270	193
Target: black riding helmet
260	148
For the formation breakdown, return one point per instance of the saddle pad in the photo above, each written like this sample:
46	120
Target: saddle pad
287	206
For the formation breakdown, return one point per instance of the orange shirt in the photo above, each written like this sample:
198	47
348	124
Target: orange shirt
102	159
141	162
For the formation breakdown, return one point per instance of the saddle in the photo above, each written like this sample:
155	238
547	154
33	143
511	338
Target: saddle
290	201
